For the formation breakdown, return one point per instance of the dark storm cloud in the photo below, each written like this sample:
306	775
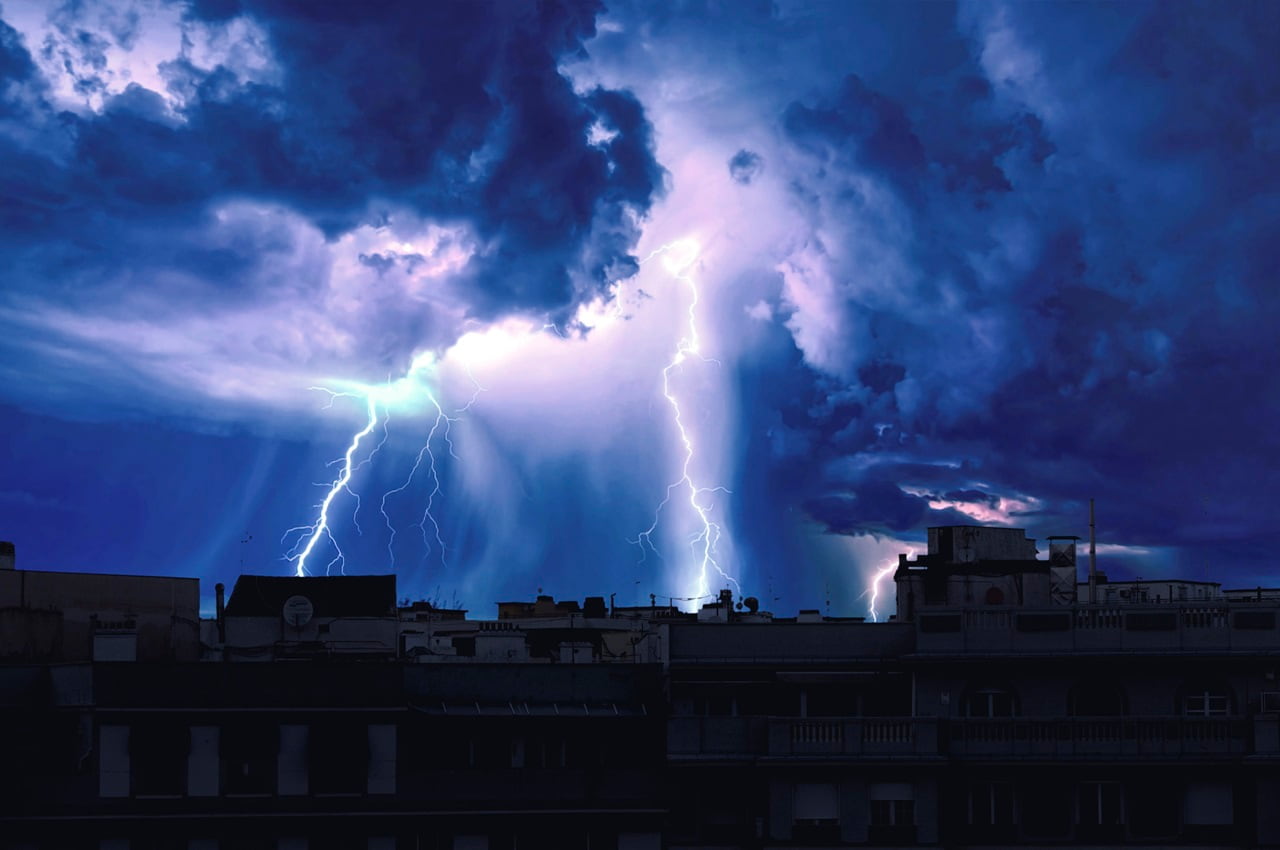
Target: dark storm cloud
745	166
1077	293
456	112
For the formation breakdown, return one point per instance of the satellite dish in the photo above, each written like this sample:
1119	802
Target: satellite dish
298	611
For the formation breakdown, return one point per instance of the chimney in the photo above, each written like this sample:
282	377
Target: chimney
7	557
1093	559
219	591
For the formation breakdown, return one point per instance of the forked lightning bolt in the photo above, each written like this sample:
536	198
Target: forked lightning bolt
412	388
442	424
302	550
678	258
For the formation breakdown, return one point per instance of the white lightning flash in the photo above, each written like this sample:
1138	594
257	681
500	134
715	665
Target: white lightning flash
320	528
678	259
404	392
874	590
873	586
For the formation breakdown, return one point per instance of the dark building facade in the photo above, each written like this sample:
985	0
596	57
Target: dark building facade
998	710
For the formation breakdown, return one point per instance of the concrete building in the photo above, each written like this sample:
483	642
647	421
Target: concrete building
65	617
997	710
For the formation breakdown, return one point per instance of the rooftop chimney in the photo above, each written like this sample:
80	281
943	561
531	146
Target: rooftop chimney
219	591
1093	559
6	555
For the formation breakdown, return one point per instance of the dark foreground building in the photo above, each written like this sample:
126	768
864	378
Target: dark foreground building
1001	709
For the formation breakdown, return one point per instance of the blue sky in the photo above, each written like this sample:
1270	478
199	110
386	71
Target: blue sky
643	298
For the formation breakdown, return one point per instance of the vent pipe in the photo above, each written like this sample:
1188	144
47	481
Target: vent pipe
1093	558
8	558
219	591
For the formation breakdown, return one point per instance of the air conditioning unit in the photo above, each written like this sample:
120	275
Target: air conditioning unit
1271	702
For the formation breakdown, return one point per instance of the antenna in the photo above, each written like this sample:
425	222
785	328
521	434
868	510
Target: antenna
247	537
1093	558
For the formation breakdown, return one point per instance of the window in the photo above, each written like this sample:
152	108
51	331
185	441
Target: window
1046	809
1209	803
1151	807
889	813
1097	699
991	805
816	813
1100	809
1206	702
339	758
249	757
831	701
991	702
893	813
158	752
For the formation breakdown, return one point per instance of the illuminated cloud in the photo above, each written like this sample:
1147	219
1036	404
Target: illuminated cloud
958	264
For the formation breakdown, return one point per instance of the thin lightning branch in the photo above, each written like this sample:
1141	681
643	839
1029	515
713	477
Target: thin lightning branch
442	425
704	543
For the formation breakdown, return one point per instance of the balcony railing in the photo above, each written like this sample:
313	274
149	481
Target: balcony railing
692	738
1084	736
1200	627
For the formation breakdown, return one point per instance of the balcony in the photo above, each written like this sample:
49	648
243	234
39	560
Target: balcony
1081	737
1209	627
794	737
817	738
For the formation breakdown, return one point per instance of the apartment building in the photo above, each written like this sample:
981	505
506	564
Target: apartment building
1001	708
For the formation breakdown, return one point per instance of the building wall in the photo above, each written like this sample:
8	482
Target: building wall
55	616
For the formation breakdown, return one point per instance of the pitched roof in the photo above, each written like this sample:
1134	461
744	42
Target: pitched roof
331	596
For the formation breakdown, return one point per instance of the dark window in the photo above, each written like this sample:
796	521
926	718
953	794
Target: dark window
831	701
158	842
1100	810
1206	701
249	752
939	623
1148	621
991	804
892	822
158	752
990	702
816	812
490	750
1045	809
768	702
1152	808
1097	699
713	704
1262	620
339	754
1044	622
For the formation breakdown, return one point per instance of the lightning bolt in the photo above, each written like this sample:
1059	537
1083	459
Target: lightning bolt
320	528
874	590
442	425
411	388
679	257
873	586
